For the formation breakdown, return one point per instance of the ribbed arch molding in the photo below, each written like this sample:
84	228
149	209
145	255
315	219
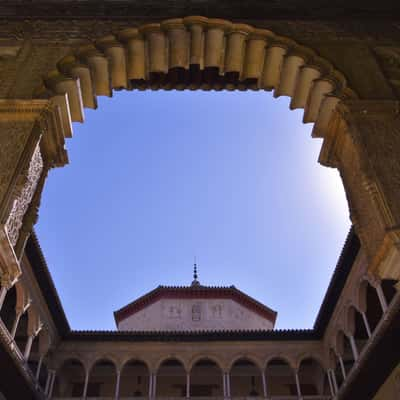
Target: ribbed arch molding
197	53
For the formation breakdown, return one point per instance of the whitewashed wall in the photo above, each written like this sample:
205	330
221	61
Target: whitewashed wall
194	314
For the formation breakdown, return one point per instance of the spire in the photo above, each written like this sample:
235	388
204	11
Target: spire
195	282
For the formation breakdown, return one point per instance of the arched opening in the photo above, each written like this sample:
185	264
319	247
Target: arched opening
102	379
374	310
360	329
280	378
206	379
171	379
7	312
347	356
389	290
21	335
134	381
337	369
313	378
70	380
246	379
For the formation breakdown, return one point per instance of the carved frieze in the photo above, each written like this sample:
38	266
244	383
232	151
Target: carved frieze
21	203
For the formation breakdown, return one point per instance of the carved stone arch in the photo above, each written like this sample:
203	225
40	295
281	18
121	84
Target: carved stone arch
59	363
34	322
338	344
207	356
161	360
104	357
132	358
22	297
350	319
317	358
249	357
176	54
290	360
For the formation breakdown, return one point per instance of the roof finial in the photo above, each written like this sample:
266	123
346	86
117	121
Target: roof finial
195	282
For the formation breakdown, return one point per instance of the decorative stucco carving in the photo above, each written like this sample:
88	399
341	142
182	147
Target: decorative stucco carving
13	138
21	203
389	59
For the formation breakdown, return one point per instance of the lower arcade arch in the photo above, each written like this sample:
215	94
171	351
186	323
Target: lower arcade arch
206	379
313	379
134	380
280	378
102	379
171	379
70	379
246	379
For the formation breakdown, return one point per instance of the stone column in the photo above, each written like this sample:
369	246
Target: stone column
51	387
330	382
14	328
28	346
296	375
363	142
366	324
353	347
334	381
85	386
154	394
39	367
187	385
224	385
264	383
117	385
342	368
382	298
228	385
150	385
48	380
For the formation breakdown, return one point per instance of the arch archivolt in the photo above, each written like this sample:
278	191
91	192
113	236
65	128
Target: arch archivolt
287	358
313	356
249	357
131	358
59	363
217	359
113	359
172	356
196	53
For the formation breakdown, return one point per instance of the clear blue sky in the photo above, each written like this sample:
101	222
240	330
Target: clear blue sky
158	177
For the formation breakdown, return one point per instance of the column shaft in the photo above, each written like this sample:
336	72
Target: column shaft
28	347
330	383
187	385
53	378
298	384
228	385
366	324
3	292
264	383
85	386
39	367
117	385
15	325
150	385
353	347
382	298
334	381
342	368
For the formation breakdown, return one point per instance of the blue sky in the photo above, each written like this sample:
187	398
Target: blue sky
156	178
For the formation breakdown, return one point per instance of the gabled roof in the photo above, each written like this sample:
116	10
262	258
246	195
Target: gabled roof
195	292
